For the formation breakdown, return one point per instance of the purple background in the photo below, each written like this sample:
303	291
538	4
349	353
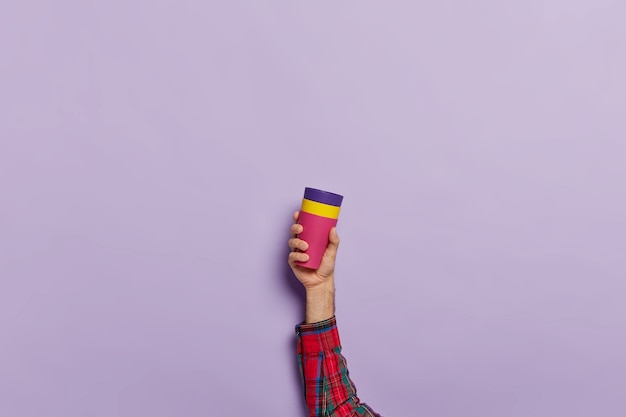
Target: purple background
152	153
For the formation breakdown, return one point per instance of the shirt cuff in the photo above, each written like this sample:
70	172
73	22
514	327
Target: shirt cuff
318	337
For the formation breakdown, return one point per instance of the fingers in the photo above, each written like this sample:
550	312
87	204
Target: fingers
297	257
296	229
298	244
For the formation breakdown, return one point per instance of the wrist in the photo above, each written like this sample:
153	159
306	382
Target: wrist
321	289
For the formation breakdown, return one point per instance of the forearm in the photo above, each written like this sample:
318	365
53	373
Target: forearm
320	303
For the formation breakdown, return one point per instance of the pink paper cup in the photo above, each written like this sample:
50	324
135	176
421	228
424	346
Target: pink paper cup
319	214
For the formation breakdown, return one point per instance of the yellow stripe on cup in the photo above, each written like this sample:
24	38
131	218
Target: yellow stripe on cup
320	209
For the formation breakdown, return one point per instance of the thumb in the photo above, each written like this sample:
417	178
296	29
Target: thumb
333	242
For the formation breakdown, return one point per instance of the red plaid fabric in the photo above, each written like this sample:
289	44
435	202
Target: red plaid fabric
328	390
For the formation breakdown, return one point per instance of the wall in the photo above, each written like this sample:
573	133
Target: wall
152	153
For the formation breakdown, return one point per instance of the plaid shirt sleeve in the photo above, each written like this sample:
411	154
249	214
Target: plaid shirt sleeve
328	390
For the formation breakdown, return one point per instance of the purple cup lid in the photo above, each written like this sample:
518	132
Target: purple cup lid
323	197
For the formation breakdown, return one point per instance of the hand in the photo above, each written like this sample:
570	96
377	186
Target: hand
325	274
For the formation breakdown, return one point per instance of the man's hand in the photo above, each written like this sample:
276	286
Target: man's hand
319	284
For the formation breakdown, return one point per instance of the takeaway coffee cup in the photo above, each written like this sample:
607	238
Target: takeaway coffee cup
319	214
